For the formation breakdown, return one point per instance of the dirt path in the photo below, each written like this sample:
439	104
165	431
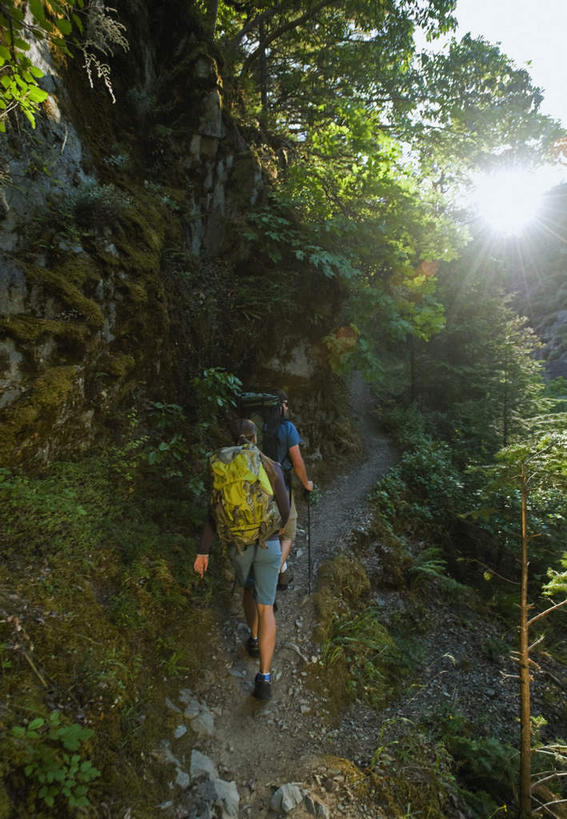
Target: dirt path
263	745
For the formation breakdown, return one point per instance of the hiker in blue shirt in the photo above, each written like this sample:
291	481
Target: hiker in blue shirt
291	460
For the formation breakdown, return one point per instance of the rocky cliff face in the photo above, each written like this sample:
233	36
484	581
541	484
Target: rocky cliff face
108	217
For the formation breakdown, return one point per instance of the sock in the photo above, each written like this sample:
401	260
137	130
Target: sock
267	677
284	567
253	639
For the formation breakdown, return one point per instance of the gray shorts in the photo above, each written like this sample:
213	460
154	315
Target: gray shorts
260	568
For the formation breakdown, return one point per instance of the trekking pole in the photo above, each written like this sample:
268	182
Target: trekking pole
309	542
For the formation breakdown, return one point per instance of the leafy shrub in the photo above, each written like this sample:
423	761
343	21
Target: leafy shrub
485	764
214	391
486	768
419	494
97	206
406	425
279	236
429	566
365	648
53	760
417	777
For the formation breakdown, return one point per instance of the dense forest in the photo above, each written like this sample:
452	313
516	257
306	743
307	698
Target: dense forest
200	198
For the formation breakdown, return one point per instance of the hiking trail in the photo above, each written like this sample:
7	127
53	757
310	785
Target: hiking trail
230	753
262	745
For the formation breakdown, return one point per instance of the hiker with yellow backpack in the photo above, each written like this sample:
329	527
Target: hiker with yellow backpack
248	511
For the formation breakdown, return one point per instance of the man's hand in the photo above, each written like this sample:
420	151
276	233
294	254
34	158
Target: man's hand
309	486
201	564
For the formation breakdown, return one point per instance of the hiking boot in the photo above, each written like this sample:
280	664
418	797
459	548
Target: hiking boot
262	688
253	647
285	579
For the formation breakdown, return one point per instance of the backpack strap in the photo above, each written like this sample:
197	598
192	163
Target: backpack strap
268	465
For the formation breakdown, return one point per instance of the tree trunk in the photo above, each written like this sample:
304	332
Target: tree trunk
212	13
525	723
263	70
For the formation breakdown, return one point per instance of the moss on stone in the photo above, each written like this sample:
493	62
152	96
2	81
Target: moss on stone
54	281
5	363
79	269
245	179
121	364
30	421
140	237
5	803
137	292
53	388
29	329
342	584
16	429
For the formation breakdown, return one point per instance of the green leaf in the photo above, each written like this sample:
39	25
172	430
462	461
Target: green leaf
36	723
36	8
21	45
64	26
37	94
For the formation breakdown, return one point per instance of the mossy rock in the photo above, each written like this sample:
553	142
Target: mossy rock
54	387
137	292
30	329
119	364
5	803
25	425
79	269
343	584
69	294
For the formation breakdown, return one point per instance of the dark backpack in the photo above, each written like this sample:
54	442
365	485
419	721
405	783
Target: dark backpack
264	408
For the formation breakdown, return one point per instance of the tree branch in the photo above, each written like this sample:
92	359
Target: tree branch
278	31
546	612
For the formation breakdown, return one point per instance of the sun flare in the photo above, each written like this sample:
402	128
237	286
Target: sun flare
508	201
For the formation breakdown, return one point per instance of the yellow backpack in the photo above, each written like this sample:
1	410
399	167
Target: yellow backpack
242	500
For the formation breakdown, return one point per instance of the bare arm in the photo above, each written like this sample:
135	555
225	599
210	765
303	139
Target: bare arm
299	467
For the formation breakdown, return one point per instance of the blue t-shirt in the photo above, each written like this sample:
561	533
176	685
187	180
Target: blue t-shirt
288	436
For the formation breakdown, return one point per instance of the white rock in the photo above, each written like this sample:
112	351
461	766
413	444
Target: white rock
182	779
203	723
227	793
286	798
202	764
186	696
